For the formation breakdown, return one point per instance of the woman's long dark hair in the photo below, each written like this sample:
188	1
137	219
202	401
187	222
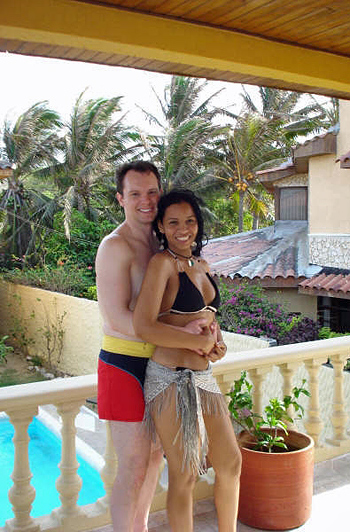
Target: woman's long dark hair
180	196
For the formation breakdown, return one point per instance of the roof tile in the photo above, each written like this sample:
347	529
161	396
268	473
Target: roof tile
331	283
278	251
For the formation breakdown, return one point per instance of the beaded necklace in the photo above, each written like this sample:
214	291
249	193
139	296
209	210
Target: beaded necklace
190	259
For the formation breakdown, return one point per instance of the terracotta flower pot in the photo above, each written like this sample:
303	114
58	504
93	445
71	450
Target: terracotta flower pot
276	488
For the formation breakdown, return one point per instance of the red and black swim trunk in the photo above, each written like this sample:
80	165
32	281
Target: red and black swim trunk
120	386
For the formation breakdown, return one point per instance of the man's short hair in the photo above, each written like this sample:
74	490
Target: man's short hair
143	167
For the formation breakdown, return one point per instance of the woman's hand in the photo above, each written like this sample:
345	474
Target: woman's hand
218	351
207	343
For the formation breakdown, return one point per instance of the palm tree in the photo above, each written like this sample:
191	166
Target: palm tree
183	149
245	150
328	111
262	137
293	114
29	144
95	140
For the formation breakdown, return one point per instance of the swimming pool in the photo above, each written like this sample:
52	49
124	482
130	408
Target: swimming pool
44	457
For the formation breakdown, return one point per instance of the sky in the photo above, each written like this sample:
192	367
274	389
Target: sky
27	80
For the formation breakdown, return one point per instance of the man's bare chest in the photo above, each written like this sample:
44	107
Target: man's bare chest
137	272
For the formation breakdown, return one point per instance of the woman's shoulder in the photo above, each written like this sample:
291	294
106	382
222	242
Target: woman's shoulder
203	263
162	259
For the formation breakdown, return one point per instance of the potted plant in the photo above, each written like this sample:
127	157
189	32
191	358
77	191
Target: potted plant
277	463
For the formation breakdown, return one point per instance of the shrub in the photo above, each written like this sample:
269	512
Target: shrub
92	293
68	278
326	332
81	249
246	310
4	349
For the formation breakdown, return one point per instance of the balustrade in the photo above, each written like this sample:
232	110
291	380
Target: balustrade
339	417
314	423
21	404
68	483
22	493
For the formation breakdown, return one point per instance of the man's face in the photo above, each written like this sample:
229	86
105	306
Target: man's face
140	196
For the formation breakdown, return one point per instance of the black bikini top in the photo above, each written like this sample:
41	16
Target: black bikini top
189	299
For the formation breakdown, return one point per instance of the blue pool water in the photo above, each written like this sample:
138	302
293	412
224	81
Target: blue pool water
44	457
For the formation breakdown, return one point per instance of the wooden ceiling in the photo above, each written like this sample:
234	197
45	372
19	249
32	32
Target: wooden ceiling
300	45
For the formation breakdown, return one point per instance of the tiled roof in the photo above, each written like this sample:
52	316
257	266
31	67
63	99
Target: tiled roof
336	284
322	144
286	165
334	130
278	251
344	160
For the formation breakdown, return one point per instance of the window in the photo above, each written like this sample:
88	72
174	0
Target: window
334	313
293	203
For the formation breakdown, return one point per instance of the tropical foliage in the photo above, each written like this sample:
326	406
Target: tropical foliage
291	114
59	200
94	142
184	148
248	146
30	144
247	310
262	137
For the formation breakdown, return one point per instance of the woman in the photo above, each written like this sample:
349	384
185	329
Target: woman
183	401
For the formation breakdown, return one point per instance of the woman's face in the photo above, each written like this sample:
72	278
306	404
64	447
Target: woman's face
180	227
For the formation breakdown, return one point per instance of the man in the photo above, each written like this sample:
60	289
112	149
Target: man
121	262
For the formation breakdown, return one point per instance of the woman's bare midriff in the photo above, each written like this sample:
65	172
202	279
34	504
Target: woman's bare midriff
185	358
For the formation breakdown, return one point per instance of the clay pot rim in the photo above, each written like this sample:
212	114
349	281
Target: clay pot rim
307	447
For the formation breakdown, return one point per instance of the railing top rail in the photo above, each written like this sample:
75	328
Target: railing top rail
47	392
319	349
75	388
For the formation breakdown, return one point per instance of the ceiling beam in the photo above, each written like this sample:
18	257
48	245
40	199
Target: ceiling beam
101	28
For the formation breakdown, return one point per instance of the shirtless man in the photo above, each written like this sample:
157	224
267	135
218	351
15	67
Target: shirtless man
121	263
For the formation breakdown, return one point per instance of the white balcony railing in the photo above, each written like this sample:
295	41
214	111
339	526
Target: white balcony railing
272	370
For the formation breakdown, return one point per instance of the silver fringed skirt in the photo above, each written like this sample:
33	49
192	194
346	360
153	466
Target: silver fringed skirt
197	393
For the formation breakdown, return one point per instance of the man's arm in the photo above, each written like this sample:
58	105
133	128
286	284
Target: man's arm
113	267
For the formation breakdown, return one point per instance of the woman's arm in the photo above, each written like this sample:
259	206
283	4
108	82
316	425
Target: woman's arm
220	348
148	306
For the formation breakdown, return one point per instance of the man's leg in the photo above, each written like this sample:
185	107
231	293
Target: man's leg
133	451
148	488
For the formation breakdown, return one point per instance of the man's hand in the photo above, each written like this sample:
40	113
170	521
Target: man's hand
196	326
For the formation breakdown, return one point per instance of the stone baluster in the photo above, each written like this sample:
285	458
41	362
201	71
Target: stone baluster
257	376
69	482
225	384
313	423
339	417
22	493
109	470
287	371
